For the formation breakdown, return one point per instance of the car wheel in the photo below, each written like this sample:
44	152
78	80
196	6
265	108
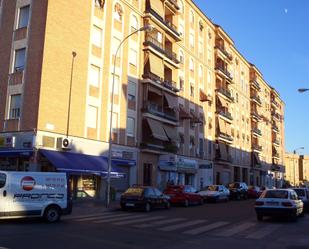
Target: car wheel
186	204
52	214
167	205
147	207
259	217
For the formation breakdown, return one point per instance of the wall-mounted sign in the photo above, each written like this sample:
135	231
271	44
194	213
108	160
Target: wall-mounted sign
7	142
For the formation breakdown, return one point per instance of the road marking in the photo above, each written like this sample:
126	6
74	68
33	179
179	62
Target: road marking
206	228
111	219
138	220
70	217
101	216
162	222
263	231
236	229
181	225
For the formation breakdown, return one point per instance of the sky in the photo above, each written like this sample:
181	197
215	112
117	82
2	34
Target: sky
273	35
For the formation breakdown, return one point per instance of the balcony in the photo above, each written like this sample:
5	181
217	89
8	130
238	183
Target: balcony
224	52
276	155
225	114
225	137
154	43
158	111
226	92
256	131
275	167
255	115
170	27
159	146
170	85
173	4
255	84
219	157
257	148
257	99
276	142
225	72
275	128
274	103
16	78
276	116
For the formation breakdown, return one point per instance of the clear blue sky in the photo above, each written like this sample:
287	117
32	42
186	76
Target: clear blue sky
274	35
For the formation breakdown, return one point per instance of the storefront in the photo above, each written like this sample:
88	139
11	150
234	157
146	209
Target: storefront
167	173
205	174
187	171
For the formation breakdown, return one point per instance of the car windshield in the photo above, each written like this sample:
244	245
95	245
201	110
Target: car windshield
234	185
276	194
134	191
300	192
213	188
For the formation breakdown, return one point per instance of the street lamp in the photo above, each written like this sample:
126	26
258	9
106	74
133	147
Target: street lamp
294	152
301	90
146	28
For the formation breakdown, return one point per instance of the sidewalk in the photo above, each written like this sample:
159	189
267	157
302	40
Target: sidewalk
85	207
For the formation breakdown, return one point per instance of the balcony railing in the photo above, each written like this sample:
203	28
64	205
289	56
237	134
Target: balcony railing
255	114
153	42
226	137
256	84
276	141
275	128
226	92
257	147
155	109
276	154
274	102
225	114
276	115
168	24
256	98
152	144
171	85
257	131
225	72
227	54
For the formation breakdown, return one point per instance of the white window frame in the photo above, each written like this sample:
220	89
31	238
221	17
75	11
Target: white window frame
92	117
97	36
131	131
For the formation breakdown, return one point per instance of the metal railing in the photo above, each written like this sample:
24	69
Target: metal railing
224	71
159	111
226	114
257	131
226	92
171	85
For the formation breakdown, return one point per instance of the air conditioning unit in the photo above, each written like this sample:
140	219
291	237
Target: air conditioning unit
64	143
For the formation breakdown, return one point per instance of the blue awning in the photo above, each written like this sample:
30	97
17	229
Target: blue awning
77	163
16	153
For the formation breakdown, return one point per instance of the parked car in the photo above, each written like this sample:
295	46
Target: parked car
144	198
279	202
215	193
253	191
262	189
184	195
303	194
238	190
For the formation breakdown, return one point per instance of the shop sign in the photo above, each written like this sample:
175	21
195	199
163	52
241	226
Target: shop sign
121	154
205	166
167	162
7	142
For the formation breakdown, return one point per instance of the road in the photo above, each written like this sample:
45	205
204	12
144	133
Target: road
211	226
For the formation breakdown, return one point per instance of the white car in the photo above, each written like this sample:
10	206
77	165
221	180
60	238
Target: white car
215	193
279	202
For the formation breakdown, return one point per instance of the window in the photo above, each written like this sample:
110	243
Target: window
181	57
116	84
192	90
133	57
131	91
130	127
159	37
118	12
191	17
92	116
200	72
181	83
97	36
23	18
181	30
134	23
191	40
2	180
19	59
15	104
115	44
191	65
200	48
209	77
94	76
180	4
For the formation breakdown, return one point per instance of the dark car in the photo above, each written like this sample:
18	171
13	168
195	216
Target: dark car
144	198
184	195
303	194
253	192
238	190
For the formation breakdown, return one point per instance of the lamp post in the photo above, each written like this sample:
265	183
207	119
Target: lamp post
147	28
294	171
302	90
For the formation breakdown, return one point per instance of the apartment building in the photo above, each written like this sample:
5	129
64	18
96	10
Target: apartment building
186	103
304	169
292	169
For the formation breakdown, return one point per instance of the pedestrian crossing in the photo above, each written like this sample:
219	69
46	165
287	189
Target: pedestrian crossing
249	229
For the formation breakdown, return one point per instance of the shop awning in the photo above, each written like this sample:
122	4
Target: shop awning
156	65
203	96
77	163
171	100
222	101
16	153
183	114
157	130
171	132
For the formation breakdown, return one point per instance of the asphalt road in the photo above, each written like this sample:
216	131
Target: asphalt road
211	226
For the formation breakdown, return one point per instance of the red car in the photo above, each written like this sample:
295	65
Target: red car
184	195
253	192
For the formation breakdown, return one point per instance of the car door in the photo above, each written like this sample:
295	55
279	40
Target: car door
221	192
3	194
